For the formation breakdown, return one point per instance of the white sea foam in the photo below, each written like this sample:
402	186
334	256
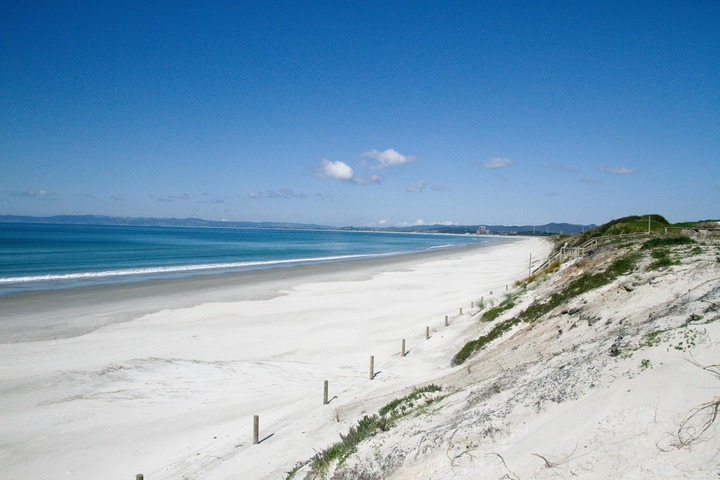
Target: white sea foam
179	269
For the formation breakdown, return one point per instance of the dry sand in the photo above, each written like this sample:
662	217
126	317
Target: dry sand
164	378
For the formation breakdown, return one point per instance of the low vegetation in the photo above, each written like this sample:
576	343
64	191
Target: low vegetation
586	282
367	427
667	242
495	312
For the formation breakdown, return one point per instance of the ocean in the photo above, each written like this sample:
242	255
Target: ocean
44	256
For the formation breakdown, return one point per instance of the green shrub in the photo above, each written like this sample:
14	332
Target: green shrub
495	312
667	242
662	259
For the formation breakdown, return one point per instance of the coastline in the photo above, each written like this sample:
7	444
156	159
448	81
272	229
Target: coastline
163	377
53	314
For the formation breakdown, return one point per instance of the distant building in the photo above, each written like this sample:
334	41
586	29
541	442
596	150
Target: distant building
482	230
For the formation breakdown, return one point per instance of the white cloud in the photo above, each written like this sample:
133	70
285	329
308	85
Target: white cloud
382	222
618	171
388	158
342	171
417	188
497	162
339	170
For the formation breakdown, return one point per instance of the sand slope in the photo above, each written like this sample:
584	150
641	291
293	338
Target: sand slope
621	382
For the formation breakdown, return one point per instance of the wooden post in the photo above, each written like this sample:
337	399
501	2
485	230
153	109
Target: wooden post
506	287
530	267
427	333
446	321
472	304
460	310
372	367
325	392
256	429
139	476
403	348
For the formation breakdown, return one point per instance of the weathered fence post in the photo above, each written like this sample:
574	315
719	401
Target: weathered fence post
139	476
446	321
460	310
372	367
530	267
325	392
256	429
427	333
403	348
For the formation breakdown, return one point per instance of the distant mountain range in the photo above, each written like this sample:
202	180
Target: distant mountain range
547	229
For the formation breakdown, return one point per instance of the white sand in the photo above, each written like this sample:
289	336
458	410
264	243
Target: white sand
170	391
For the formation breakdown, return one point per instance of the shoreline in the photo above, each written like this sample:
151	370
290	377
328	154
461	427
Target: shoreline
38	315
168	376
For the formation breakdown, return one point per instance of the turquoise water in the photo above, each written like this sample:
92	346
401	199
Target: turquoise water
39	257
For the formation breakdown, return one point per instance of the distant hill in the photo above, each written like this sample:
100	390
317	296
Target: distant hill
547	229
152	222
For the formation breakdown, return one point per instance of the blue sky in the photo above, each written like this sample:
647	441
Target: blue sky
361	113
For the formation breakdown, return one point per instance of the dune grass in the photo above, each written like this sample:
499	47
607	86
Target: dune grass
367	427
586	282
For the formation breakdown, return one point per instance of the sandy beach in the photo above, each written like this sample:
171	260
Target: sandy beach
164	378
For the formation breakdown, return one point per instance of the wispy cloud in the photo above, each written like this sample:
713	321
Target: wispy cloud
617	171
417	188
440	188
171	198
35	194
497	162
275	194
388	158
369	180
557	166
211	201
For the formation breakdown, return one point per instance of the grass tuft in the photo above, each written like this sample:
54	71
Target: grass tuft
495	312
367	427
